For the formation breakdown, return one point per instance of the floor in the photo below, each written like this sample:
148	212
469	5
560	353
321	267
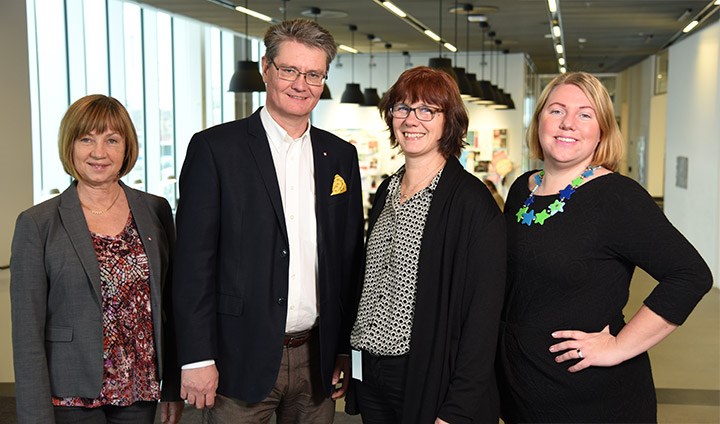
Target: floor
686	366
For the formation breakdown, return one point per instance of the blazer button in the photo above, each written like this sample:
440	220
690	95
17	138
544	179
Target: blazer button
284	253
281	301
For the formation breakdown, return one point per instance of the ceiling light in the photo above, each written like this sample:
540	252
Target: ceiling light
432	35
559	48
253	13
246	78
552	6
480	18
371	97
556	31
561	61
347	49
563	70
450	47
352	93
394	9
690	26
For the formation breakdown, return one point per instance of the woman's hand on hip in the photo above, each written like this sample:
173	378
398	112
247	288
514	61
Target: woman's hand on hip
592	349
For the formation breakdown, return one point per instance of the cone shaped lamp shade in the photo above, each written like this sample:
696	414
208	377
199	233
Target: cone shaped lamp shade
246	78
510	103
352	94
463	83
474	86
326	93
443	64
497	95
371	97
487	93
502	100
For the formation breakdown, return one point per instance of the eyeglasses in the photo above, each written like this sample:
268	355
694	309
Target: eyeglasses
422	113
292	74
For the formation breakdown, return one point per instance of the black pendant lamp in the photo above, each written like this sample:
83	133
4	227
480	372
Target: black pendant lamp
462	79
371	95
442	63
508	98
497	99
325	93
388	46
352	93
246	78
485	96
474	87
500	102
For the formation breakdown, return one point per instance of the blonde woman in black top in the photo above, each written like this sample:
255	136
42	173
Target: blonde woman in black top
576	232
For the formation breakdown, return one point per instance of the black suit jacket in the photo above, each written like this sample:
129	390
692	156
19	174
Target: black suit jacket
231	274
57	304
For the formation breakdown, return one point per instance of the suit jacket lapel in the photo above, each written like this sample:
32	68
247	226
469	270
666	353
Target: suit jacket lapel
260	149
323	183
147	231
78	232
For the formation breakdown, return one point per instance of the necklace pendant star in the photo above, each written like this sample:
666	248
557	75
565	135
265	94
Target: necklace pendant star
541	217
528	217
520	213
566	192
556	207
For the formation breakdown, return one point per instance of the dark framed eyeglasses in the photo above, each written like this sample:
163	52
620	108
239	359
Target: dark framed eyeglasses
292	74
422	113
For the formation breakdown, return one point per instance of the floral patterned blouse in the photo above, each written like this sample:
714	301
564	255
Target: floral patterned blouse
130	370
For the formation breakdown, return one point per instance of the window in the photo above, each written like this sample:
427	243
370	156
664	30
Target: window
170	72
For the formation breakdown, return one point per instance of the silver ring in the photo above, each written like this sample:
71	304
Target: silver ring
580	355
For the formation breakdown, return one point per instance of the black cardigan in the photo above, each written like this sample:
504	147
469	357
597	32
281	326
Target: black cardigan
460	288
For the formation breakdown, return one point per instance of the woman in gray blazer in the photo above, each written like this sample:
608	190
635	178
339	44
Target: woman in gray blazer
88	269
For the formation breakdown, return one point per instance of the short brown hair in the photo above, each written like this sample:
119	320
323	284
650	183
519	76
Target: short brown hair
610	149
434	87
98	113
303	31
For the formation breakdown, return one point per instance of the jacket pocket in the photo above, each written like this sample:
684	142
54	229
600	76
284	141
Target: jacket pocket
230	305
59	334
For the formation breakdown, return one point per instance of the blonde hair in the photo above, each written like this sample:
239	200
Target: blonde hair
610	149
98	113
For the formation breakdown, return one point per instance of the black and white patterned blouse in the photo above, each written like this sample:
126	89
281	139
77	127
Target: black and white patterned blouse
387	305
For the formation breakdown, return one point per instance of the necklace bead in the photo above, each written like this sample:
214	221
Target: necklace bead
527	216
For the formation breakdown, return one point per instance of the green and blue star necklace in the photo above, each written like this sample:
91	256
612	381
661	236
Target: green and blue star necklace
527	216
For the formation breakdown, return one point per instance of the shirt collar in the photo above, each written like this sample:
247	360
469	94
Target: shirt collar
275	133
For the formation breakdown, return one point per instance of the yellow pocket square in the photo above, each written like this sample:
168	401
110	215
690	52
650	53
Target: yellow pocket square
338	186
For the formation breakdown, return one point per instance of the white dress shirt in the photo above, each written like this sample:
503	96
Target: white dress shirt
295	171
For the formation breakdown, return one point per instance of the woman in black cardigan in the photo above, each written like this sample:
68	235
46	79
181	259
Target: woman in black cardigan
434	273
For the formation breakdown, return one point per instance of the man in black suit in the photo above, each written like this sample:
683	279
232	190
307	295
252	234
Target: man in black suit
268	250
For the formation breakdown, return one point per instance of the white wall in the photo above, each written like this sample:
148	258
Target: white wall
693	131
16	157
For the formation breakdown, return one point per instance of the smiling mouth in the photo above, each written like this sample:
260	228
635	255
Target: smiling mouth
566	139
413	135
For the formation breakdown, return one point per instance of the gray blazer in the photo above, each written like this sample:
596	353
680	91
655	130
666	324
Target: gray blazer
56	302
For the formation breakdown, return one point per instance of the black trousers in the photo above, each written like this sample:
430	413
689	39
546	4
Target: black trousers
381	393
137	413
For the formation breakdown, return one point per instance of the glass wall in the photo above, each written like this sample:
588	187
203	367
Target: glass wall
170	72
